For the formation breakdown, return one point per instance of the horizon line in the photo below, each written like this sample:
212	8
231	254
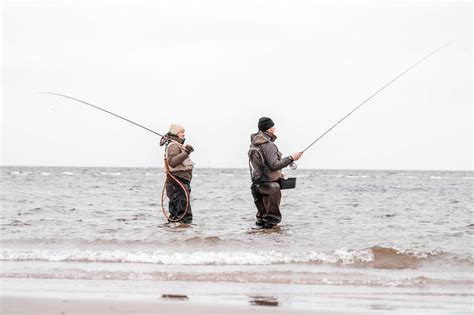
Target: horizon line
242	168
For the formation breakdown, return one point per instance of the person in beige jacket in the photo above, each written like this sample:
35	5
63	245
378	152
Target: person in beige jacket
181	167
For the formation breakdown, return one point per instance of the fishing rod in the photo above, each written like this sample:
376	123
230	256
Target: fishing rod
109	112
104	110
377	92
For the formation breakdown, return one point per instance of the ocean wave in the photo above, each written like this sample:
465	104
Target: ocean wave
347	176
374	257
390	258
232	175
206	240
67	173
111	173
16	223
20	173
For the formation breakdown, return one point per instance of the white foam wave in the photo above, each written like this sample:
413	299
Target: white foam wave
20	173
111	173
67	173
352	176
347	176
154	174
190	258
45	174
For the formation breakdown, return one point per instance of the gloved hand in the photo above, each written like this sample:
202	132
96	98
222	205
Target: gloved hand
188	148
297	156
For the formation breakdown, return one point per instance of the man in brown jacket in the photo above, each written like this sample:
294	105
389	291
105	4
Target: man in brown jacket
181	167
266	162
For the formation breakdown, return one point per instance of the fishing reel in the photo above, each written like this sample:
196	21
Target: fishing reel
293	166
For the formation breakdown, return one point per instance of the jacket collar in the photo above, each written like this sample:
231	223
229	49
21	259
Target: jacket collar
174	137
270	136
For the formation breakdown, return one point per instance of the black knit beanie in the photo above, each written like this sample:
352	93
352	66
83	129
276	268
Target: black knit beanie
265	123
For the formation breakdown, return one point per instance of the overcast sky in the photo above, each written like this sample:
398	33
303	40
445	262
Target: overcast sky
217	66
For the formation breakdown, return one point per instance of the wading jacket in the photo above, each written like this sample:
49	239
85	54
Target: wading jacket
265	160
178	159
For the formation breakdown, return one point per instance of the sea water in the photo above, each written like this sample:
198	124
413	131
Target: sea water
404	233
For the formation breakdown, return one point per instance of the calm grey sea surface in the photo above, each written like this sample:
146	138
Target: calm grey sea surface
370	229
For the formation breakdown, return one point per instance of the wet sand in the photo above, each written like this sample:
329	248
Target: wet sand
72	296
58	305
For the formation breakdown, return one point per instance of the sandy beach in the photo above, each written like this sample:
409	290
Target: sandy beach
66	296
35	305
46	296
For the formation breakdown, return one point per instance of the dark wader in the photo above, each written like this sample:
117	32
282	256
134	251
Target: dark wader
267	197
177	197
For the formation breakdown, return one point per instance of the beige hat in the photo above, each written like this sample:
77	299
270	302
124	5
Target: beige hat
175	129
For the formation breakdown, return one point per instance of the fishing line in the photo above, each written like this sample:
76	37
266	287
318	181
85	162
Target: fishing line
377	92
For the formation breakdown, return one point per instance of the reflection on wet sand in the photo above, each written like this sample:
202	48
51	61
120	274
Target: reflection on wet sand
263	300
180	297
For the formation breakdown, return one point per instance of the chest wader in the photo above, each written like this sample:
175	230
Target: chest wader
266	194
178	192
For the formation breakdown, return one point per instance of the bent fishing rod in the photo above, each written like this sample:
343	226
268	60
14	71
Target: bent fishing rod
109	112
377	92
